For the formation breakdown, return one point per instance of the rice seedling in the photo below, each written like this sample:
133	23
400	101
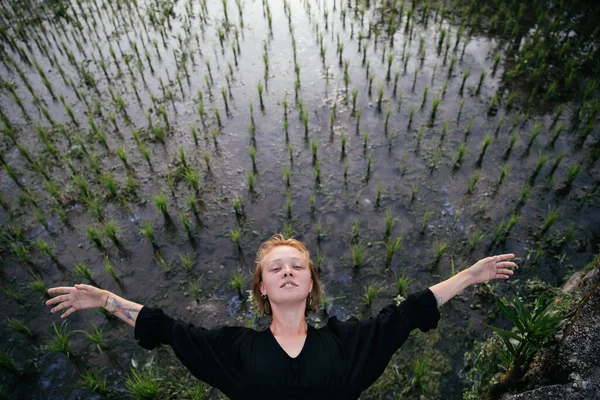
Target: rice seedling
358	114
14	294
537	128
218	119
371	291
542	159
93	235
462	151
486	143
186	262
391	248
110	268
160	202
238	206
7	363
554	166
317	171
425	93
378	197
477	237
187	226
331	120
147	230
379	96
466	75
304	117
60	342
371	77
94	336
164	265
109	182
237	282
369	162
511	142
314	147
551	217
413	192
482	76
410	116
259	86
441	249
389	222
525	192
251	180
388	112
510	225
572	173
91	380
82	270
434	107
236	238
402	284
39	286
17	326
358	253
426	218
143	385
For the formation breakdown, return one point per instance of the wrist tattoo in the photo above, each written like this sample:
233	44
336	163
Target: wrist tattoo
129	312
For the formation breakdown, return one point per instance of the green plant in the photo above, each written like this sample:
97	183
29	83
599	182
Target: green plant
147	230
186	262
391	247
426	217
477	237
17	326
94	237
531	331
143	386
441	249
371	291
402	284
109	268
389	222
91	380
358	254
111	230
236	237
237	282
7	363
39	286
61	342
83	270
94	336
160	202
473	182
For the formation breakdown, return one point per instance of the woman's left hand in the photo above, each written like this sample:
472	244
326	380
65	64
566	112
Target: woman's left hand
495	267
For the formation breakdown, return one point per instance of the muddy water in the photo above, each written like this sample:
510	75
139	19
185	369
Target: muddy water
407	163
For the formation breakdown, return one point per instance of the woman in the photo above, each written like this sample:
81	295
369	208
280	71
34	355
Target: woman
291	359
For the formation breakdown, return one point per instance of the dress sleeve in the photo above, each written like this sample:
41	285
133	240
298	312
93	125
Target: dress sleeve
211	355
368	345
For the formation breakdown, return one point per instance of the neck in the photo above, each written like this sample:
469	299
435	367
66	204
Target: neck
289	323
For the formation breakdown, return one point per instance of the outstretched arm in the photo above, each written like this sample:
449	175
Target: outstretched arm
495	267
81	297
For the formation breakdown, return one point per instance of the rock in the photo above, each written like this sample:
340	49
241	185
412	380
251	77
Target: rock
570	370
573	282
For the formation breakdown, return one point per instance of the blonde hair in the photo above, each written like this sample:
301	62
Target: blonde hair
263	305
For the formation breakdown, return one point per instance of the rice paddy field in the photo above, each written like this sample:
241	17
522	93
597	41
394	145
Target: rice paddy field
149	147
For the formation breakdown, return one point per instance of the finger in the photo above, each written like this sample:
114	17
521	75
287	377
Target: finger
506	264
84	287
59	307
57	299
60	290
506	271
503	257
68	312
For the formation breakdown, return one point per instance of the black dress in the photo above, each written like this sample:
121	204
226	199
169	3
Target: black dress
338	361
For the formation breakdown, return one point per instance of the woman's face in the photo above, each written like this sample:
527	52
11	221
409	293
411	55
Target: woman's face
286	276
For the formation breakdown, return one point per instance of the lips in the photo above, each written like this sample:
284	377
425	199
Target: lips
288	282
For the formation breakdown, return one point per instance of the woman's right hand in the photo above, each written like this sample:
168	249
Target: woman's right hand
78	297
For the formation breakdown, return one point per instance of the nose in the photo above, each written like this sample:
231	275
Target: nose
288	270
